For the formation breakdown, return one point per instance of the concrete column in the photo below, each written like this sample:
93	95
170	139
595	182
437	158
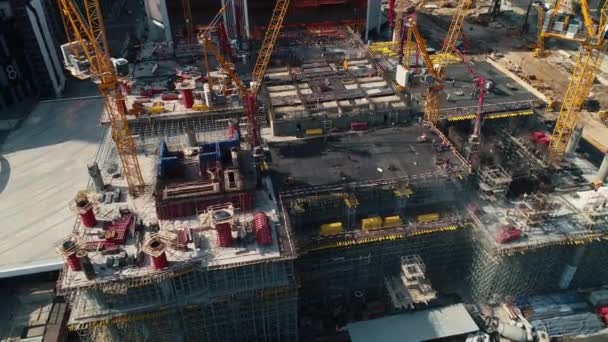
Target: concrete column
602	173
570	270
574	140
96	176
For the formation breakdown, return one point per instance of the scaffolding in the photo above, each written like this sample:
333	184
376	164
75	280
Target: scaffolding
411	287
493	182
269	315
133	312
331	277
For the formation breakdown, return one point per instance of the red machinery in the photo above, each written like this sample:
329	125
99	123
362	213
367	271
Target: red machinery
508	234
540	137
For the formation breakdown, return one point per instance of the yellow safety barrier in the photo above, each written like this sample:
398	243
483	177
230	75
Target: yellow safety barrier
331	228
426	218
314	131
510	114
392	221
461	117
493	116
392	237
200	106
371	223
156	110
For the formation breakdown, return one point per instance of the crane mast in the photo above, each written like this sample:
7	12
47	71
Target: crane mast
583	75
272	34
431	103
431	111
449	43
89	31
249	96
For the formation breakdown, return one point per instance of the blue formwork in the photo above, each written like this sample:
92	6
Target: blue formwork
560	314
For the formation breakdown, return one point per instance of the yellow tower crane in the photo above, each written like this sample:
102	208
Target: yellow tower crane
546	21
587	65
449	43
431	104
443	58
87	29
249	95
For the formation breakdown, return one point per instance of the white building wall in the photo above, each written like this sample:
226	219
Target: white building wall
48	47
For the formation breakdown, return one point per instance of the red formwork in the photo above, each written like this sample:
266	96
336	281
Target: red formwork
73	262
171	209
224	234
261	227
160	262
187	98
87	217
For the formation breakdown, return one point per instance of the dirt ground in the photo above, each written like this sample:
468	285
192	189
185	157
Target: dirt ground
549	75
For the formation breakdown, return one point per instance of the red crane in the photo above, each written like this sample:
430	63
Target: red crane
480	84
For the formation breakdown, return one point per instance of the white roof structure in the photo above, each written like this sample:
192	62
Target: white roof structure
42	166
418	326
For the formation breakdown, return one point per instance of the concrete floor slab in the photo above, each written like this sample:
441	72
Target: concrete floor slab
42	166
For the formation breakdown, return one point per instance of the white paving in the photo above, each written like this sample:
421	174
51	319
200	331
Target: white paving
42	166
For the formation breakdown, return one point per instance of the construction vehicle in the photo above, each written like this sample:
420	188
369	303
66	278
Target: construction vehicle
249	96
88	31
583	75
508	234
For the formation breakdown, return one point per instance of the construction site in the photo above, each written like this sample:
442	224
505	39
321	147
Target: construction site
336	170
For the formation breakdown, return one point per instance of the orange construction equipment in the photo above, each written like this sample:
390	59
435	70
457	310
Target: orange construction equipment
90	34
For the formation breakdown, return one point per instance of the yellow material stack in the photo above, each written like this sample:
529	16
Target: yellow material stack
426	218
392	221
314	131
331	228
371	223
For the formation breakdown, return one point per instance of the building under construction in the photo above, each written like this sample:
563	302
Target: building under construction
338	199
